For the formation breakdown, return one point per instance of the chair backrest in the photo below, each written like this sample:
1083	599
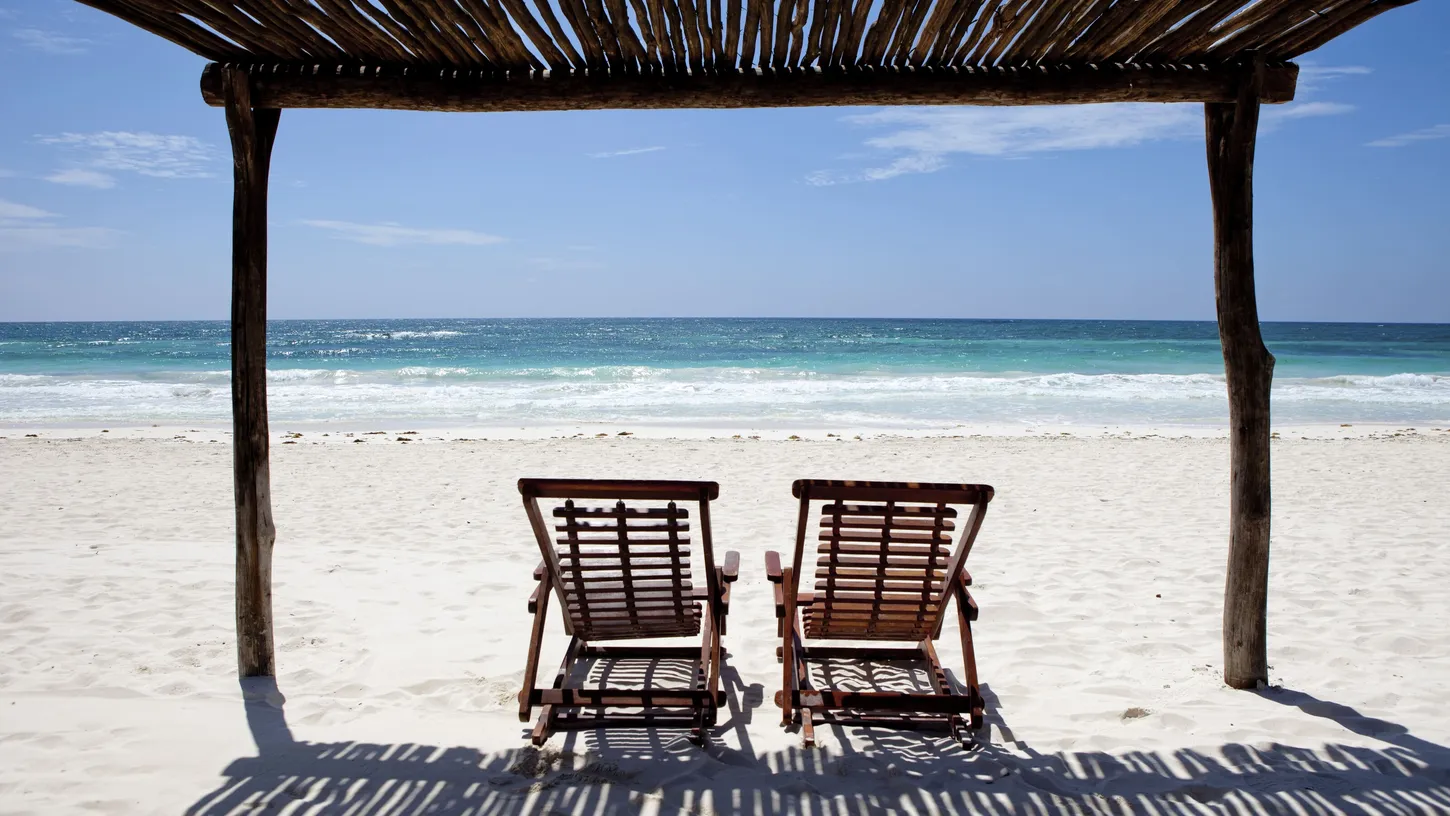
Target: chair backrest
618	554
885	565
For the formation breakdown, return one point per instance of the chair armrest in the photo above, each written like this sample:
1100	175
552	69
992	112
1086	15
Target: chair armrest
772	566
966	604
966	577
724	608
534	599
539	572
731	570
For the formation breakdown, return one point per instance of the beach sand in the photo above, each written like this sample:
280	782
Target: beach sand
402	571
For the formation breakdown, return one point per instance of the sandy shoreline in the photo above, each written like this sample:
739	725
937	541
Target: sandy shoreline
389	430
401	576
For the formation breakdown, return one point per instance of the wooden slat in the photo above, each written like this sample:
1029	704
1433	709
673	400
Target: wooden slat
614	512
784	15
868	510
874	44
732	33
540	38
614	525
652	46
900	51
918	563
621	697
877	522
671	53
941	13
1045	26
963	18
666	603
876	571
662	548
844	584
877	547
822	10
690	17
886	536
603	589
798	32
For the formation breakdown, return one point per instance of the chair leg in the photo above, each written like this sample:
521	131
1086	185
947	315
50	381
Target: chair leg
787	653
705	670
940	685
969	656
806	716
549	714
536	641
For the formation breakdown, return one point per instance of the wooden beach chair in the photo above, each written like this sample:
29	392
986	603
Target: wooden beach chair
885	571
616	556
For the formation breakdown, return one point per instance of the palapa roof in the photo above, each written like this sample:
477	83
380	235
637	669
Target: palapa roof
711	53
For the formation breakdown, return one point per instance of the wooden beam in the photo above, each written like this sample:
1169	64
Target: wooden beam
293	86
252	132
1249	370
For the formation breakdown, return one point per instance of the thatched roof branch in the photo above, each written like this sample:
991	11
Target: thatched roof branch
624	37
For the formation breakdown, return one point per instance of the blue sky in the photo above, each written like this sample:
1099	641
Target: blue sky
115	197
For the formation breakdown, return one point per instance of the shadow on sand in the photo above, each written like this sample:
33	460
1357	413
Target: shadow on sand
658	771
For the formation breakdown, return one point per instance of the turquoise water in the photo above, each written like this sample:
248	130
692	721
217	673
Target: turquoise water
906	374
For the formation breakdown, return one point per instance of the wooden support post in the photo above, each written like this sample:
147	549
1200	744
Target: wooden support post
1249	369
252	132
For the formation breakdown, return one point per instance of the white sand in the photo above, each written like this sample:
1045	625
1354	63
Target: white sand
402	571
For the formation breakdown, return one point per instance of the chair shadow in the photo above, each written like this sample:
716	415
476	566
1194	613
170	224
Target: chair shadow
877	771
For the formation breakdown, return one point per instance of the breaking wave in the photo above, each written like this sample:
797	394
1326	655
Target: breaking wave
735	395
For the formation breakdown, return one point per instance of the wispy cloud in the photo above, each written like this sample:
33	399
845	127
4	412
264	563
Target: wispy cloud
1313	77
80	177
555	264
156	155
10	211
634	151
389	234
25	227
1428	134
921	140
1271	116
49	42
927	136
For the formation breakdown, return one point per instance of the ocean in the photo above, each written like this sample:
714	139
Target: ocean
719	373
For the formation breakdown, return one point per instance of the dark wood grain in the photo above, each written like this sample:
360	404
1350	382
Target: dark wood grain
252	133
411	89
1249	371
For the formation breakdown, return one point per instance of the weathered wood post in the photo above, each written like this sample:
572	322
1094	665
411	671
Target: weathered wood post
252	133
1249	369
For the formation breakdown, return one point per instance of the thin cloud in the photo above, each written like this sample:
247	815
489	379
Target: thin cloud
389	234
51	43
1312	77
79	177
10	211
25	227
156	155
554	264
634	151
1428	134
1271	116
921	140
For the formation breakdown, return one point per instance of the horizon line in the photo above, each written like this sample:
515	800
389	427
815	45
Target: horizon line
755	317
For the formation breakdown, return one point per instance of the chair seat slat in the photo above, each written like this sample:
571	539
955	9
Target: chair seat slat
628	512
877	522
